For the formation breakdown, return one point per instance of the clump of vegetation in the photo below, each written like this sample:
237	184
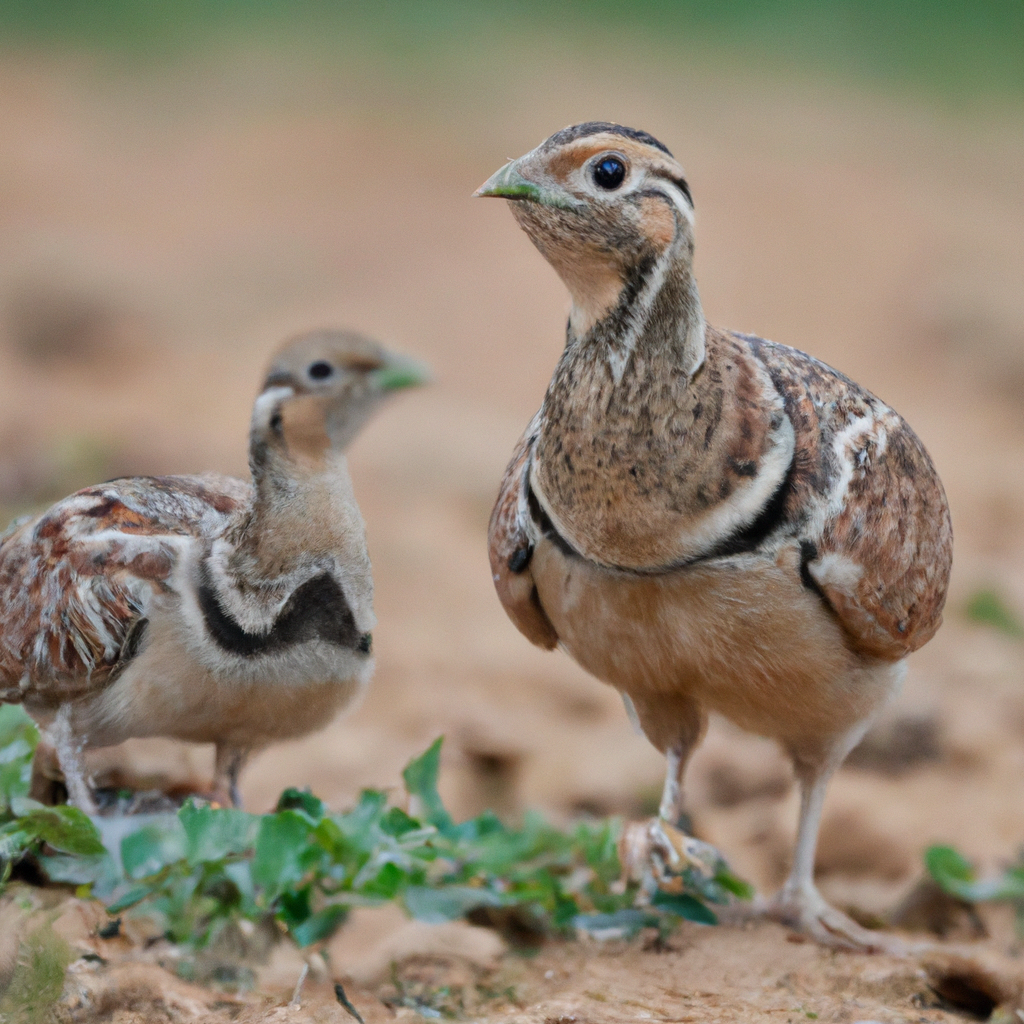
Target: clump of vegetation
956	876
25	824
208	873
38	979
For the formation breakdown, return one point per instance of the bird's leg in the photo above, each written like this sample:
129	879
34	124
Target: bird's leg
655	853
799	904
671	807
228	765
69	757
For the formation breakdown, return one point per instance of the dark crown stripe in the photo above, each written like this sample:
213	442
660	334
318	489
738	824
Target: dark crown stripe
581	131
316	611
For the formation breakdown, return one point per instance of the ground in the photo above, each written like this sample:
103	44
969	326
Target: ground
158	237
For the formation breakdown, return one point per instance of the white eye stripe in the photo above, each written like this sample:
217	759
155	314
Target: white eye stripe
267	403
677	196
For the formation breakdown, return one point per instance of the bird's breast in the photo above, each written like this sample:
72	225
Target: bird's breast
655	469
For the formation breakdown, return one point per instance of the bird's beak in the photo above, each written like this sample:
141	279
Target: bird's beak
510	183
400	372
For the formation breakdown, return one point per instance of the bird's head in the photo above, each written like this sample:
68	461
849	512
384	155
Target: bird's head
320	389
603	204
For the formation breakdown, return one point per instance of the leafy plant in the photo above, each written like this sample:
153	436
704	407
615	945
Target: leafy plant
956	876
205	871
305	867
25	824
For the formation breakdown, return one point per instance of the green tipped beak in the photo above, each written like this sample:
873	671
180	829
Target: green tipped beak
400	372
508	183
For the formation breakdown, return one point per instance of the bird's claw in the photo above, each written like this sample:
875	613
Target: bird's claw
808	912
658	855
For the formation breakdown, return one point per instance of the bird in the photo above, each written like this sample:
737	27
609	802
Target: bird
207	608
706	520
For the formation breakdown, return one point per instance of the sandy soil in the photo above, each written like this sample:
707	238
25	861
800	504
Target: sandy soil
160	233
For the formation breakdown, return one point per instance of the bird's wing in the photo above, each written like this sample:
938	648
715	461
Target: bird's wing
511	538
866	504
76	581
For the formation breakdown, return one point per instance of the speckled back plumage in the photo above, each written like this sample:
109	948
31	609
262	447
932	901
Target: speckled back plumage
864	491
75	579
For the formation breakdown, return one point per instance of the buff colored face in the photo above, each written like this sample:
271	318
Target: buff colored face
601	208
320	389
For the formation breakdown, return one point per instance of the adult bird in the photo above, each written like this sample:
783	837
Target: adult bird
706	520
207	608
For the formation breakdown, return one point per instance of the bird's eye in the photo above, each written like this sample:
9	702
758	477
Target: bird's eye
609	173
320	370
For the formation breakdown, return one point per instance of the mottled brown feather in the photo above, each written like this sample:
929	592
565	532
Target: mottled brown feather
891	529
75	579
509	543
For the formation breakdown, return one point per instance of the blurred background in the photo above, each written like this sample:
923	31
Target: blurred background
182	183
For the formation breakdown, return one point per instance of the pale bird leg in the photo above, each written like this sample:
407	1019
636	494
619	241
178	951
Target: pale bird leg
297	993
657	852
227	767
671	808
69	757
799	904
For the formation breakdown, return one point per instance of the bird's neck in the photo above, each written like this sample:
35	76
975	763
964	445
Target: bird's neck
300	517
618	417
656	329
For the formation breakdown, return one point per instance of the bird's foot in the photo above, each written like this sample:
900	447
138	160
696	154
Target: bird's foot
807	911
658	856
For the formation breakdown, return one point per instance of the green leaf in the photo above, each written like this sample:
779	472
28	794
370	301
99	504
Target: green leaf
322	925
734	884
281	845
152	848
420	778
387	882
397	823
988	607
14	842
685	906
130	899
449	903
18	739
301	800
953	873
240	874
65	828
213	834
294	908
96	869
16	724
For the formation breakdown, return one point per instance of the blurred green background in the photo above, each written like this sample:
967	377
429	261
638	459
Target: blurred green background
959	50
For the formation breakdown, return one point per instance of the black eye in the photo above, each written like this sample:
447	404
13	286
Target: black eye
321	370
609	173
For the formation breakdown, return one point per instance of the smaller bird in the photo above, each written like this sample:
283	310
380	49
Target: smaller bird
206	608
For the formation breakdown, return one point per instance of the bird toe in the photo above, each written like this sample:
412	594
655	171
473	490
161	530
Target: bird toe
810	914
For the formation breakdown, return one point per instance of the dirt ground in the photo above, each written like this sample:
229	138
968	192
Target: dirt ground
160	231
